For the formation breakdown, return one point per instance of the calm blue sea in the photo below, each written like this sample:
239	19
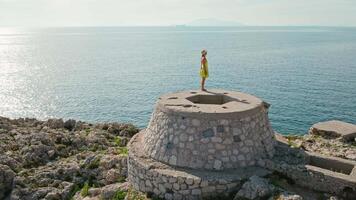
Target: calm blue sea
308	74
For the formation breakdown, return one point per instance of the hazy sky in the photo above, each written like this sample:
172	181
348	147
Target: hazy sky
169	12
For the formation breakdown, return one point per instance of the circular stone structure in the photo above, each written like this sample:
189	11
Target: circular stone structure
194	139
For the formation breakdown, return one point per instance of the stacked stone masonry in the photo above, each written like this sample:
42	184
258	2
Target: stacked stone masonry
207	141
211	132
209	144
168	184
164	181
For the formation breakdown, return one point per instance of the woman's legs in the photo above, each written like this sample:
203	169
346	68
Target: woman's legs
202	84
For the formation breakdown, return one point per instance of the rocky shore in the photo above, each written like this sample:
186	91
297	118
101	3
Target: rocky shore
58	159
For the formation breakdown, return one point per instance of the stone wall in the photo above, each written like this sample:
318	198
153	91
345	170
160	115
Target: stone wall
169	184
184	140
297	165
161	180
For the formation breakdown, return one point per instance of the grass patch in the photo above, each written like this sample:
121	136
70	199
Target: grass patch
118	141
122	151
121	179
292	144
291	139
95	147
132	194
75	189
93	164
85	190
87	131
119	195
353	143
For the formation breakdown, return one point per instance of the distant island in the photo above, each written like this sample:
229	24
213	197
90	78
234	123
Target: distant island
211	22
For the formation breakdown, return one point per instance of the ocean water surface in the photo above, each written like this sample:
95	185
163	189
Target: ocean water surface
307	74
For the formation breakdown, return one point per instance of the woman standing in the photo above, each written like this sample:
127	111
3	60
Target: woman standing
204	72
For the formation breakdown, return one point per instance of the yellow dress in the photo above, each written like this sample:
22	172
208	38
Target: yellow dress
204	72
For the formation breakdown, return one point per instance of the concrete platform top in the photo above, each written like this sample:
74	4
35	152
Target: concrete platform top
210	102
335	128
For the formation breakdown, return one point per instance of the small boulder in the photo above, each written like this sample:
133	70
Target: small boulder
6	180
287	196
69	124
112	176
54	195
108	191
255	188
55	123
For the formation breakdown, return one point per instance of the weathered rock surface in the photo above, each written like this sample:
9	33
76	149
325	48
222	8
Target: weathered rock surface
334	128
6	180
255	188
287	196
109	191
325	146
53	159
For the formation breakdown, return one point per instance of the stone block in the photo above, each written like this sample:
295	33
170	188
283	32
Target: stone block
168	196
196	192
208	133
220	129
217	164
334	128
196	122
189	181
236	138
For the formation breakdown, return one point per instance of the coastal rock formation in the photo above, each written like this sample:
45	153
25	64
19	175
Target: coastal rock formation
57	159
6	180
54	159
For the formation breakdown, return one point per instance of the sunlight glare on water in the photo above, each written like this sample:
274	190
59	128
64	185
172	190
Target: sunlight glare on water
308	74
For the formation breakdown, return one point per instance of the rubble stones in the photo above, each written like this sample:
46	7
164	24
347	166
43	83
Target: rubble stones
287	196
255	188
49	159
6	180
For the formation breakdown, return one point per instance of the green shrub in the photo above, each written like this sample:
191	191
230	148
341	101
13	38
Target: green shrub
119	195
117	141
87	131
122	151
121	179
75	189
93	164
85	190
